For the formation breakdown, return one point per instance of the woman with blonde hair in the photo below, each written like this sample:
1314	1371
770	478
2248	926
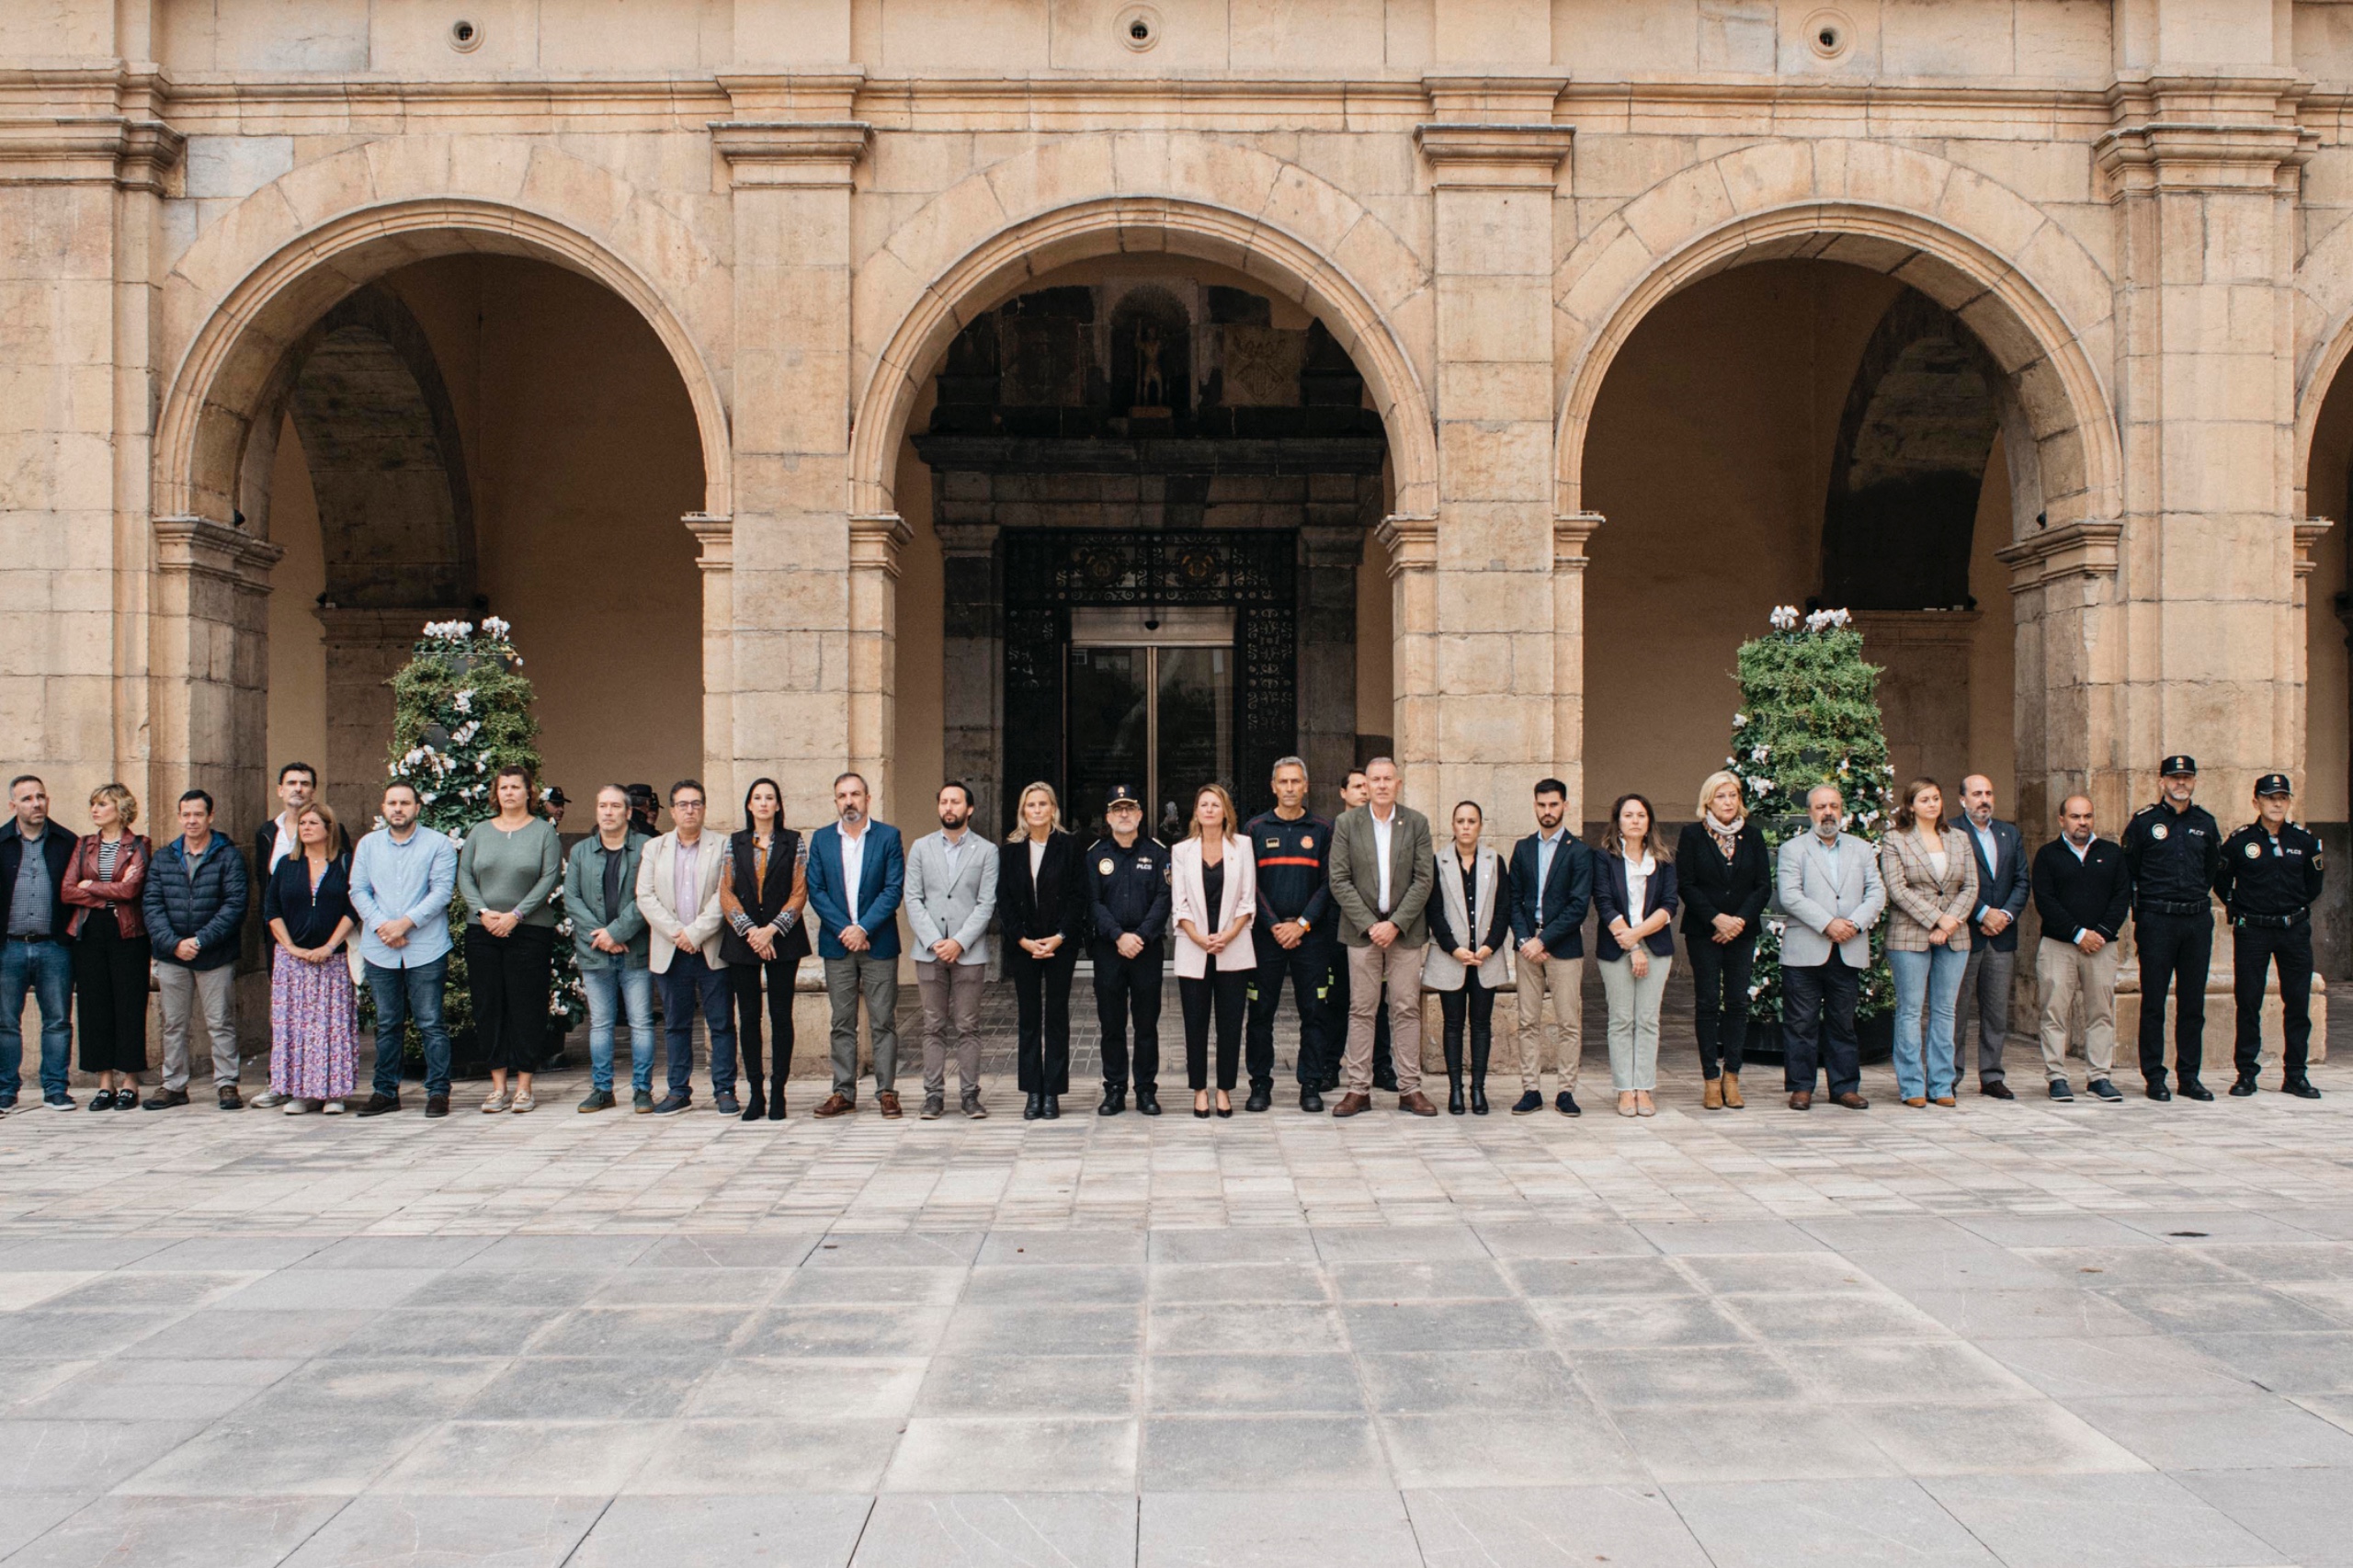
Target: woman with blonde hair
1725	875
103	885
1931	877
313	1009
1633	899
1041	902
1213	896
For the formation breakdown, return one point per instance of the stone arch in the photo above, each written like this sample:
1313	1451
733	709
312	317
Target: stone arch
2323	346
2030	293
1141	192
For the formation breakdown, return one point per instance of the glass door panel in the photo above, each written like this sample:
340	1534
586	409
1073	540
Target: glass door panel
1109	738
1194	725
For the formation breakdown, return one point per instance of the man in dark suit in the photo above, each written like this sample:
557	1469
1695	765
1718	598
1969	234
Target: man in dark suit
857	873
1551	885
2081	890
2002	892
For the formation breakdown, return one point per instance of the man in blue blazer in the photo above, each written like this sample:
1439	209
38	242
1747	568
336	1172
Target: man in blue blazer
1551	885
2003	886
858	869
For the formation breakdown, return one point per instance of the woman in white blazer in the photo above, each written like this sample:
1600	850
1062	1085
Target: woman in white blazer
1211	870
1470	931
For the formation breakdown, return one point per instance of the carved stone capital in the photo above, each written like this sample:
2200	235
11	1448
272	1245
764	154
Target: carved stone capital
198	547
105	149
966	541
791	153
2310	532
876	540
716	536
2203	133
1412	543
1572	531
2087	548
1490	154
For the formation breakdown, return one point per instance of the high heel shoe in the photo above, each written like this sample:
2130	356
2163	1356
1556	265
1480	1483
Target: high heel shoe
1201	1104
1224	1103
1478	1099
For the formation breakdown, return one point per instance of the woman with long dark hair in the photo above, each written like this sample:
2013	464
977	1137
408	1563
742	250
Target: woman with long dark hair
507	872
763	890
1634	900
1931	877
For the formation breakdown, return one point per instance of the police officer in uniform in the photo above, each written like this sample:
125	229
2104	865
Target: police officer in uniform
1292	935
2270	873
2170	852
1128	876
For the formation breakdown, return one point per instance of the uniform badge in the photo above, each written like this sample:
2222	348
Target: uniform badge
1103	865
1307	841
2254	851
1274	844
2157	830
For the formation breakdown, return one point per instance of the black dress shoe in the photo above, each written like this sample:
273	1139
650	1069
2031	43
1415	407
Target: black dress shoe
1033	1108
436	1105
1530	1099
2242	1088
1201	1108
102	1100
1308	1100
1478	1099
2157	1090
1997	1090
2102	1089
1259	1099
2300	1087
2191	1089
1147	1102
1454	1097
1566	1104
126	1099
380	1105
1053	1109
1114	1102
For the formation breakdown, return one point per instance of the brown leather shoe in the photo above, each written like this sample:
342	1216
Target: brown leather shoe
1801	1099
1854	1101
1916	1101
1416	1103
889	1100
837	1104
1353	1104
1945	1100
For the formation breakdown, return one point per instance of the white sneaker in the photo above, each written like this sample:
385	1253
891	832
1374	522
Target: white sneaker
266	1099
333	1107
298	1107
496	1103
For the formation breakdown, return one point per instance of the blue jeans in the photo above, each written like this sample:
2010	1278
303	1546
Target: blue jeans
610	989
46	969
686	981
408	996
1924	1064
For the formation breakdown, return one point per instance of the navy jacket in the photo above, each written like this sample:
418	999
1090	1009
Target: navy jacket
2004	886
1609	904
209	906
1291	859
57	850
873	905
310	916
1553	914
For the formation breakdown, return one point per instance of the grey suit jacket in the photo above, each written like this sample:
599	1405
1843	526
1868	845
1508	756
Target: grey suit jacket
1355	875
941	903
1812	896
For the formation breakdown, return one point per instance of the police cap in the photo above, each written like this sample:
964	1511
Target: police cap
1121	795
2174	764
2274	784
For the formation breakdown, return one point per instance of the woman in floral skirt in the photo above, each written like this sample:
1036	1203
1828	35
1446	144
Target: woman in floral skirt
313	1008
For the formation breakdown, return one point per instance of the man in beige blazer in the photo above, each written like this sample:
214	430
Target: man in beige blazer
1382	869
678	891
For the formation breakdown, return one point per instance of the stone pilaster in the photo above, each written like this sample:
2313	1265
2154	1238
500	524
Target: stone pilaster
808	682
1494	158
210	619
2069	662
1412	544
715	555
1572	534
972	668
876	540
1329	556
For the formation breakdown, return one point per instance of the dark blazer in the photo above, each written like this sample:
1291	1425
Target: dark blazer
1553	914
1057	903
311	915
2073	895
873	905
121	895
209	906
2001	885
1609	904
762	901
57	846
1710	885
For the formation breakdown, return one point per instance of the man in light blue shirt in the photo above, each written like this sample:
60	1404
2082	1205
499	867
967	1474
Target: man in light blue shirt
401	877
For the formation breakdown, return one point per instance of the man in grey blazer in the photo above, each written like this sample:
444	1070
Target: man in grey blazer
950	898
2003	887
1829	887
1381	871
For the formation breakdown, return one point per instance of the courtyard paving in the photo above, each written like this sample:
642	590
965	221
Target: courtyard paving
2019	1333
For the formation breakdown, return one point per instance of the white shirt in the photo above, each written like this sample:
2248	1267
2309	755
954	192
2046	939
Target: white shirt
1037	857
1381	831
287	842
1638	881
1937	860
853	866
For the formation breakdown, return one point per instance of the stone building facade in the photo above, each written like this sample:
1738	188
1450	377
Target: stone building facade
749	353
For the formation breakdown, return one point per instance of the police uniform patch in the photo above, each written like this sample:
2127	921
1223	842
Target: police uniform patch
2254	851
2157	830
1103	865
1307	841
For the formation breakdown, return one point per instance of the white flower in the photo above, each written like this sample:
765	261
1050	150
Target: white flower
1785	617
464	702
494	627
456	838
1740	720
1759	753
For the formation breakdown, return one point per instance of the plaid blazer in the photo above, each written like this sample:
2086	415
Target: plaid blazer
1918	898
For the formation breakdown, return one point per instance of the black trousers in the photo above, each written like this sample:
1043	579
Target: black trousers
1222	992
1818	1024
508	976
1126	989
2176	950
743	984
1720	972
1384	1069
110	995
1042	1002
2253	953
1308	967
1474	1004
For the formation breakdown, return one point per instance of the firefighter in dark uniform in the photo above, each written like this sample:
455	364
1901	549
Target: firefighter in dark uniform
2268	879
1128	877
1292	935
2170	852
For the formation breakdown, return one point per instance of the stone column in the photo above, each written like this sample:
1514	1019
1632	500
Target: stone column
804	702
1494	157
1923	656
211	703
715	541
971	669
1329	556
1572	532
875	540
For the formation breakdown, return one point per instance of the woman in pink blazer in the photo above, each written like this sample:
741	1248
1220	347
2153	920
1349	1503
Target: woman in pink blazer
1213	894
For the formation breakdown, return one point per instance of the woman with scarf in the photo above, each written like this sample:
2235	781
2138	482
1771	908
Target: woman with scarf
1726	877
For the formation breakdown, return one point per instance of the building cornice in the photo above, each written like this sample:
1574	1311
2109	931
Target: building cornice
1572	533
2204	133
1412	543
876	541
795	152
715	540
199	547
2089	548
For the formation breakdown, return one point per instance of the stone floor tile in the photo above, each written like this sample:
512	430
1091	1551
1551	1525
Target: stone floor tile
643	1331
454	1331
1679	1237
31	1513
1574	1441
1862	1523
1226	1243
1256	1385
2218	1224
747	1455
1966	1264
1832	1319
2139	1366
1896	1371
223	1331
811	1389
1621	1378
1397	1243
448	1532
2068	1229
156	1390
2027	1314
310	1289
2306	1515
179	1532
1361	1529
1590	1277
726	1250
777	1530
526	1458
1550	1526
209	1254
1421	1279
1539	1238
2097	1521
140	1291
863	1332
2278	1262
97	1255
22	1291
1006	1248
1750	1442
1054	1285
1027	1331
704	1287
2285	1363
394	1252
1244	1453
1776	1273
895	1249
1237	1282
569	1252
75	1455
1177	1330
916	1287
2108	1268
1374	1326
419	1389
1014	1454
1026	1385
2248	1431
1433	1380
1579	1324
2220	1309
1070	1529
98	1333
1975	1439
335	1455
579	1387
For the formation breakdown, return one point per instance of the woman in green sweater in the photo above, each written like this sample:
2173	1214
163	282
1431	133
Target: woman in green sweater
508	874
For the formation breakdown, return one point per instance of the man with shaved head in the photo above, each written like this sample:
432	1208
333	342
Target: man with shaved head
2081	890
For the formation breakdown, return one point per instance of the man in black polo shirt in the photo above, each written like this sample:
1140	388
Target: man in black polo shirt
2170	850
2269	876
1292	935
2081	890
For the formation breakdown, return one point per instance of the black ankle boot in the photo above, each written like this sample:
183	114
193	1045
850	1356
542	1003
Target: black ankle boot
754	1106
1454	1093
1034	1109
1478	1097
